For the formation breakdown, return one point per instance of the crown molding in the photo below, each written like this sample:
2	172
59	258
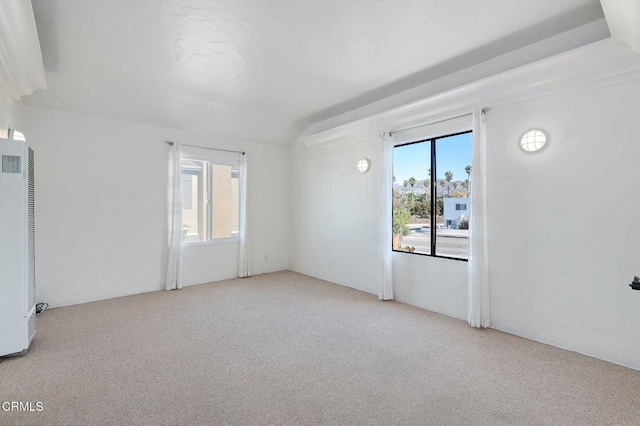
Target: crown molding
623	19
599	64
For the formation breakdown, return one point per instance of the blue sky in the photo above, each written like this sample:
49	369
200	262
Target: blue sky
452	154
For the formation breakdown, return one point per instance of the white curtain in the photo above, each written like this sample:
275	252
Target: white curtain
243	259
21	68
479	312
174	206
386	207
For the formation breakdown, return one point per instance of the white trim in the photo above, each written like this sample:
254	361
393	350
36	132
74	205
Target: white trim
213	241
578	37
627	360
214	156
427	303
623	18
599	64
103	294
433	130
21	67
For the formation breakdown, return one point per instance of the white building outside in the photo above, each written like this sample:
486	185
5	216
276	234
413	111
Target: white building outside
455	211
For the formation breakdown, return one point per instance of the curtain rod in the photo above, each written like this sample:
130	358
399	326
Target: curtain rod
484	110
204	147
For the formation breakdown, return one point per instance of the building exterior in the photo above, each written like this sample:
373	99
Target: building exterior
456	210
224	214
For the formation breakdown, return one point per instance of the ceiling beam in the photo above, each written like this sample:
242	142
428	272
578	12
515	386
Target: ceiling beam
623	19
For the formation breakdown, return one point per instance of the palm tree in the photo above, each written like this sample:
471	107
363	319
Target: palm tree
468	170
455	186
448	176
442	184
412	182
427	181
465	185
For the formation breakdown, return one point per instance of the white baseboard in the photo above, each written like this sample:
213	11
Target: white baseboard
53	303
628	361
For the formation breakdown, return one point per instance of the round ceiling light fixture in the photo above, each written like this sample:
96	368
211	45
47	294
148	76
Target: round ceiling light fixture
533	140
363	165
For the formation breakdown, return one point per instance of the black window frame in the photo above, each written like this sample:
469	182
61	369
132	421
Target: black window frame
433	190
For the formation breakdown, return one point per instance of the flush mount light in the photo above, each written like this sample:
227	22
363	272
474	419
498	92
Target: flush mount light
363	165
533	140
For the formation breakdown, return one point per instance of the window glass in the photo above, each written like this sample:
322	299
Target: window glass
225	194
453	159
422	204
210	200
412	198
193	201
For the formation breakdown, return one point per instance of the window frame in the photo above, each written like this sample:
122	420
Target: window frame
200	185
433	193
206	185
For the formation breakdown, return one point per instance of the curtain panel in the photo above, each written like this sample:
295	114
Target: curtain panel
243	259
385	213
174	224
478	266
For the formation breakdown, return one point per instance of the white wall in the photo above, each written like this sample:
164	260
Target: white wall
6	114
334	215
101	207
557	276
335	235
561	252
439	285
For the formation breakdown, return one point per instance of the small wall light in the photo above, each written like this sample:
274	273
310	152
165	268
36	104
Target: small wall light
533	140
363	165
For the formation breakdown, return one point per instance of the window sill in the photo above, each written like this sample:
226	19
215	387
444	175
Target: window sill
214	242
431	255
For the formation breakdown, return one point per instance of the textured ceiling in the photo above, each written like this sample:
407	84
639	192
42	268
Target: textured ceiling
264	70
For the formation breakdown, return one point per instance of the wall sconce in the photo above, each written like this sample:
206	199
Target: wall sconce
363	165
533	140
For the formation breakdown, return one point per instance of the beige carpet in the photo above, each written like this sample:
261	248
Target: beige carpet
284	348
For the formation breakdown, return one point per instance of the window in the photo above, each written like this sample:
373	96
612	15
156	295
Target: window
210	198
422	203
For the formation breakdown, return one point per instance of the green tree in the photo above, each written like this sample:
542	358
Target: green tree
448	176
465	185
420	209
404	193
468	170
401	217
412	183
